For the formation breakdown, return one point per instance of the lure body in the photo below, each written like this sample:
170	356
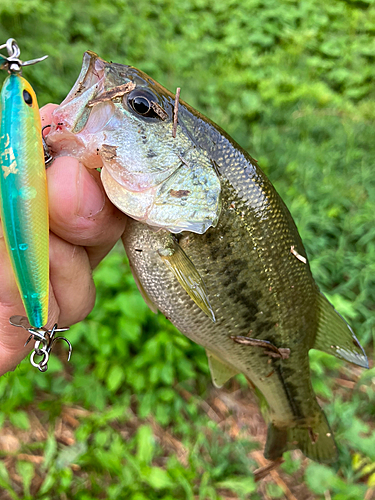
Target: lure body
23	193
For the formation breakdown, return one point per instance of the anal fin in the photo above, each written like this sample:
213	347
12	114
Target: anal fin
220	372
335	336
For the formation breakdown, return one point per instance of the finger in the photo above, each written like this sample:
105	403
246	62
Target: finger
80	212
10	299
46	115
82	194
12	339
72	297
97	253
71	279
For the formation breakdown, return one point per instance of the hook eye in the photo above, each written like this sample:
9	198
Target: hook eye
43	363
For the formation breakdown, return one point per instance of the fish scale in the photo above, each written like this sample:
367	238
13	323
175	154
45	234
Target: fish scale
288	391
249	310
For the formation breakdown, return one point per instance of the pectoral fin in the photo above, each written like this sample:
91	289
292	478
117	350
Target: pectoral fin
187	275
220	372
335	336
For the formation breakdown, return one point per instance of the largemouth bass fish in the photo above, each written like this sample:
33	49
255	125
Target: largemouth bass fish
210	243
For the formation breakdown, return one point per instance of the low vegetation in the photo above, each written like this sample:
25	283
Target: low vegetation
134	415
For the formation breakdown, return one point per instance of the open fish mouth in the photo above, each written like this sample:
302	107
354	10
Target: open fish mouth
92	72
73	111
73	115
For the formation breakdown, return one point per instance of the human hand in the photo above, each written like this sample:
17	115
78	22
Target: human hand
84	226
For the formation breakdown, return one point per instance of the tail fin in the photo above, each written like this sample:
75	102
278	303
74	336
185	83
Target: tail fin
335	336
316	442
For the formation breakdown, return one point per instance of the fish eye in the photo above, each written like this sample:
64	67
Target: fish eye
144	103
27	98
140	104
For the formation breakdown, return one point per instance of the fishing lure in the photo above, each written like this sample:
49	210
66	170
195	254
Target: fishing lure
23	199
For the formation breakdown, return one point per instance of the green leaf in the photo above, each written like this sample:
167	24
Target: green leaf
49	451
5	482
241	486
20	419
26	471
70	454
321	478
48	482
145	444
274	491
4	472
115	377
157	478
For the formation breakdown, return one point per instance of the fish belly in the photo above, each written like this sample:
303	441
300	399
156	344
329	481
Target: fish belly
294	413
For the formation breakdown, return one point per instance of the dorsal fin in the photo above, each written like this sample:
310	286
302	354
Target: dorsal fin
335	336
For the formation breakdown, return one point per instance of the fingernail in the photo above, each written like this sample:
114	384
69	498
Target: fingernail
91	197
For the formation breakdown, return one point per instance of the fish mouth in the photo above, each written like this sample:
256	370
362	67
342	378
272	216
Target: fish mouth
92	72
73	114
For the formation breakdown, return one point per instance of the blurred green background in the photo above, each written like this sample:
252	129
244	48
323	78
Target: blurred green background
134	415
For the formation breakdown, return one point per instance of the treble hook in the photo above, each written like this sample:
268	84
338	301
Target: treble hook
12	62
42	336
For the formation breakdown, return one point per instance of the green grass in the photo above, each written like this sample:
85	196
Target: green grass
134	414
